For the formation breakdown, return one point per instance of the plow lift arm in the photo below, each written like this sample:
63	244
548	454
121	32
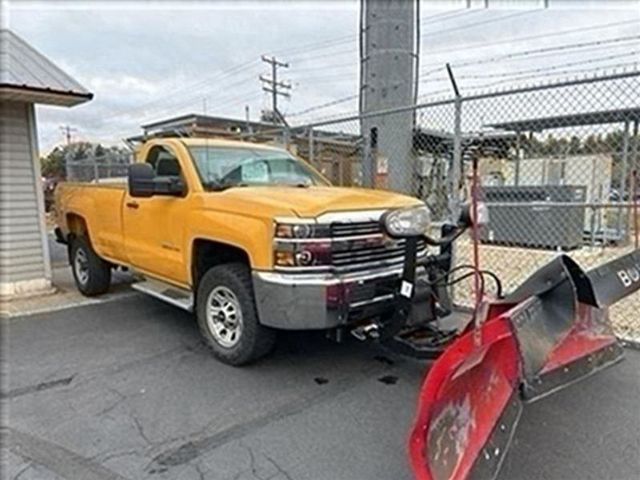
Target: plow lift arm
548	333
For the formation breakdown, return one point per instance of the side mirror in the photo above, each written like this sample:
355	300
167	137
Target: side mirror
141	180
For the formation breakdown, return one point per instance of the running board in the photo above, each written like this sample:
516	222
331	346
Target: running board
164	291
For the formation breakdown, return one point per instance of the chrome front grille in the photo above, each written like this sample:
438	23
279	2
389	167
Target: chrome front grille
354	229
362	244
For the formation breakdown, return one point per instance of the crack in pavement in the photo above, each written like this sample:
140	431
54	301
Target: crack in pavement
110	408
253	468
38	387
194	447
138	425
201	475
278	467
22	471
105	457
58	459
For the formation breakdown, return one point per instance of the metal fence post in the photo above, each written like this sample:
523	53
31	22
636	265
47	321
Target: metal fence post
623	176
453	186
311	147
367	160
517	170
456	166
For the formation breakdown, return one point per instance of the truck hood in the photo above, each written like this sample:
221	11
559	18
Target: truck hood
314	201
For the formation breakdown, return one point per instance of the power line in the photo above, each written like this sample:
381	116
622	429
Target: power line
324	105
535	37
528	53
475	24
446	16
547	49
559	72
326	67
483	45
550	68
188	88
321	45
599	45
172	103
177	110
171	108
342	41
433	94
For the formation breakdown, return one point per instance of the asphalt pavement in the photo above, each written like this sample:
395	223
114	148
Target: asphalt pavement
126	390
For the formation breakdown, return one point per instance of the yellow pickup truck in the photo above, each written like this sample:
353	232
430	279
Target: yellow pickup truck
249	237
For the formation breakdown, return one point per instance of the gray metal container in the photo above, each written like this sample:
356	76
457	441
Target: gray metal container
535	216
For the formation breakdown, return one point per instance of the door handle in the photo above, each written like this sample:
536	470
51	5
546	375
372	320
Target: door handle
132	205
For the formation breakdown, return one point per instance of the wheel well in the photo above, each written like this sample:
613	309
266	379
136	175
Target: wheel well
77	226
209	253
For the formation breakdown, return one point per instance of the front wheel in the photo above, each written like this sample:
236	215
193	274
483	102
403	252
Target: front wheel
91	273
227	315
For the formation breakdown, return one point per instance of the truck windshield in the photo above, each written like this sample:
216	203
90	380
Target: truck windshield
220	168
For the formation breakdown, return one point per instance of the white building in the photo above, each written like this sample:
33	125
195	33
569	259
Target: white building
594	172
26	78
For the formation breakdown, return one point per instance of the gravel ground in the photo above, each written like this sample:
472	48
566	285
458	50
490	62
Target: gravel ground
514	264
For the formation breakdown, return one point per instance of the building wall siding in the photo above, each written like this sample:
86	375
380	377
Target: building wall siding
24	252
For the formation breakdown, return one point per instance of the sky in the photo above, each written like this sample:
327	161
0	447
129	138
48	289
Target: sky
146	61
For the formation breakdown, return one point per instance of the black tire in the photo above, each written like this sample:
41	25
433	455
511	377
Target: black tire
91	273
245	344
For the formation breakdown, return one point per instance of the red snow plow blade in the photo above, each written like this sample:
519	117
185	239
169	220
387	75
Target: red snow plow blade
552	331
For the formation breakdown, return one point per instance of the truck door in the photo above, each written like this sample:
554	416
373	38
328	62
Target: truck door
154	227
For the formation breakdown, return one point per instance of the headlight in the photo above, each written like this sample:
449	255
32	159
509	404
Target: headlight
303	254
301	230
406	222
302	245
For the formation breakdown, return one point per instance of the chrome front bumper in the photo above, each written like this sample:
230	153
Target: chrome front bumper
322	301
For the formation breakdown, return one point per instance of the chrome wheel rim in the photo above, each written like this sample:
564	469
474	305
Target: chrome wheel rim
224	316
81	266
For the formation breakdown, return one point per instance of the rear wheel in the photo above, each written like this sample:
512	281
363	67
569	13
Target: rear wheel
91	273
227	315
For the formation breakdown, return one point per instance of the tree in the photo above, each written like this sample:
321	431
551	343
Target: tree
53	165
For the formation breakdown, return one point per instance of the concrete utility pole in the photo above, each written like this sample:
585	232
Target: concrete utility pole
272	85
389	65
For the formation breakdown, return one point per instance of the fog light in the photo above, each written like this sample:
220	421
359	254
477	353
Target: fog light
304	258
285	259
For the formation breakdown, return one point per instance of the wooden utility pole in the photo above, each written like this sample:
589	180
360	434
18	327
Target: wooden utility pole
273	86
67	131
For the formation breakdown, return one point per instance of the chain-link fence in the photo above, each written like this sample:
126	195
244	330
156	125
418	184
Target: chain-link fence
91	168
557	166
